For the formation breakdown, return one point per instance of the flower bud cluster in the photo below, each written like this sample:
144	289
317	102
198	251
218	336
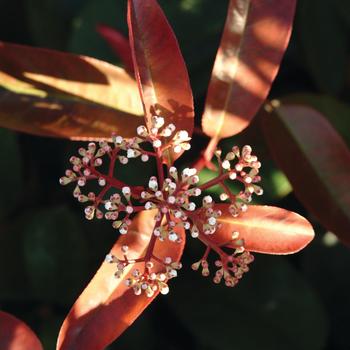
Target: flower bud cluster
230	267
172	193
173	200
244	167
210	224
161	135
148	281
85	169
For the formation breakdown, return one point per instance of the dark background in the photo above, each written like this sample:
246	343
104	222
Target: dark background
48	251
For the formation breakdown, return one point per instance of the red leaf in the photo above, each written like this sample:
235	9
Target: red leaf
316	160
119	44
51	93
159	67
16	335
107	306
265	229
255	37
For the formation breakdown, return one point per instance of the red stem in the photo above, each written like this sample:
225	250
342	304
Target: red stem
160	168
152	241
206	156
113	182
215	181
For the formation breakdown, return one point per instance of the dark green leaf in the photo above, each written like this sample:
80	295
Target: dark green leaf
326	264
11	171
50	21
324	43
272	308
55	255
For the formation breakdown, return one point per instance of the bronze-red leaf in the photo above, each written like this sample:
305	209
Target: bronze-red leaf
255	37
107	306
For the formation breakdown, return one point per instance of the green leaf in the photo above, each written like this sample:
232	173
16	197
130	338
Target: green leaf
273	307
12	263
325	264
343	9
55	255
11	171
85	40
143	331
50	21
324	43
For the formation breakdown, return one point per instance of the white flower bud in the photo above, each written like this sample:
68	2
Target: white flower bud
226	164
144	157
142	131
173	236
157	143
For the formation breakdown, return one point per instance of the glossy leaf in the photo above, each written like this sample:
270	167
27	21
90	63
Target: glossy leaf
50	93
159	67
265	229
336	111
107	306
16	335
187	18
316	160
255	37
119	44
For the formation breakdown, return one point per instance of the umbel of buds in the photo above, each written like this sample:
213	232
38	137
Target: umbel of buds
173	193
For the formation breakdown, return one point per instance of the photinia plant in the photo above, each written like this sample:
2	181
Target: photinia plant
154	217
168	204
16	335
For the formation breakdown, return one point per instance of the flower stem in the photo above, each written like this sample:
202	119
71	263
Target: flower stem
205	160
215	181
152	241
160	168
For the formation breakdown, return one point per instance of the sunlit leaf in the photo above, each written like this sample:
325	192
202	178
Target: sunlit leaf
107	306
16	335
50	93
255	37
265	229
186	18
316	160
159	67
119	44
